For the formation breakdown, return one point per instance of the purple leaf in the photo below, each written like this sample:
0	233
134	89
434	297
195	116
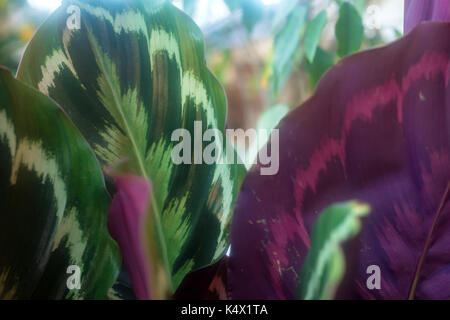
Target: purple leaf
417	11
125	222
376	130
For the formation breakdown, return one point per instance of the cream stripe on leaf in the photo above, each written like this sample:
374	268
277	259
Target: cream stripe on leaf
135	72
53	202
7	132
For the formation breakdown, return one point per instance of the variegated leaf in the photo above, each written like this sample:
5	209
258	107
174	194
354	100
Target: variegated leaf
129	73
325	266
53	203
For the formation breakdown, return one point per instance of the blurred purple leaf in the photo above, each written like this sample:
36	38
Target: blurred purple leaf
125	222
376	130
417	11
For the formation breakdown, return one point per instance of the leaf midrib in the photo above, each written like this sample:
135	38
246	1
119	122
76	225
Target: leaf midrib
156	215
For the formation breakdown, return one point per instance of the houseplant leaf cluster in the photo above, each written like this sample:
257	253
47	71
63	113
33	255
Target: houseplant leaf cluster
53	202
104	85
128	74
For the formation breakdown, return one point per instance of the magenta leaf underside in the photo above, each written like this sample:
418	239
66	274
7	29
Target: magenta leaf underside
376	130
126	224
417	11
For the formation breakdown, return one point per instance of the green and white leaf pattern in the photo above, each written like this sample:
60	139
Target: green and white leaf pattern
132	73
53	202
324	267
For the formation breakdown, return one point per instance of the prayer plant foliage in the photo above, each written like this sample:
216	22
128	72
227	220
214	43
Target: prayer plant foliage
128	73
376	130
53	202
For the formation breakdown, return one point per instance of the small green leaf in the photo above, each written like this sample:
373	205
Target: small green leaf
53	202
322	62
324	266
360	5
268	121
284	9
313	34
251	11
270	118
349	30
286	45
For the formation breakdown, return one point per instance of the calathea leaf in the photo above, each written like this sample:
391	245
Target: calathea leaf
129	73
376	130
324	267
122	289
417	11
53	203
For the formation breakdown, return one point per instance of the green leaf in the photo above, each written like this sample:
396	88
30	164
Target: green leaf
53	202
349	30
313	34
322	62
284	9
270	118
251	11
128	77
286	45
324	266
360	5
268	121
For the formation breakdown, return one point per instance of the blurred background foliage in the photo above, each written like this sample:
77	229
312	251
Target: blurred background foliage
268	54
18	21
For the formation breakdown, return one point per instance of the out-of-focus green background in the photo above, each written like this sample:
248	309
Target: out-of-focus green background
268	54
